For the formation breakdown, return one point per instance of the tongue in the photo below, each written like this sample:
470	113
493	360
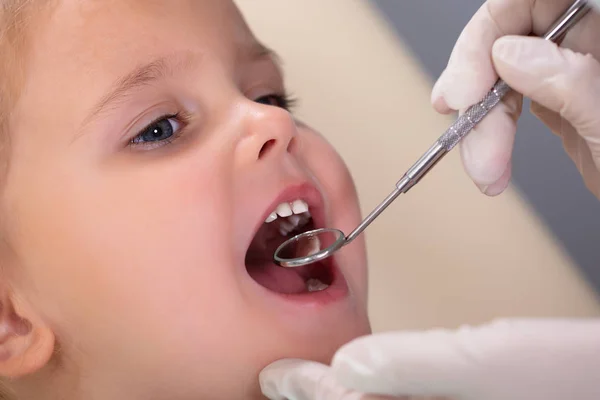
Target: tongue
277	279
260	266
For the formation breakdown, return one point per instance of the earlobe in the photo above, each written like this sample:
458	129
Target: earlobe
26	342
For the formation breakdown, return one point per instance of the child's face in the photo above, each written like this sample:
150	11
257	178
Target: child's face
133	247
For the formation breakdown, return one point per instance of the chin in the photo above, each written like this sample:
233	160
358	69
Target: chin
309	312
318	346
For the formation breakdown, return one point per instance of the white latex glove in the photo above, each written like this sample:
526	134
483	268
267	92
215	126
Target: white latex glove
306	380
506	360
563	84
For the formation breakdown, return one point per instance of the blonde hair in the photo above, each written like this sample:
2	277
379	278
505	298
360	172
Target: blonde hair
13	50
14	16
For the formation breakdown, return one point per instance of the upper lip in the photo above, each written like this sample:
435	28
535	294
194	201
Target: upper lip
300	191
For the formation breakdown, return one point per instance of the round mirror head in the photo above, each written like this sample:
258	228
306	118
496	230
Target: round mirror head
309	247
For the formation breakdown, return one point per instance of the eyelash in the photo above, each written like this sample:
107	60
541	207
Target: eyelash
181	118
284	101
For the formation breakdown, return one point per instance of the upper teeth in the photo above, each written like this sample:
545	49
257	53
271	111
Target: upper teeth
290	216
288	210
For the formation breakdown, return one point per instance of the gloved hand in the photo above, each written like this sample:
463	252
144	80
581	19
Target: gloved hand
506	360
306	380
563	84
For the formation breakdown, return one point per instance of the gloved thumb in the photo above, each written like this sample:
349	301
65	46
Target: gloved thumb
293	379
559	79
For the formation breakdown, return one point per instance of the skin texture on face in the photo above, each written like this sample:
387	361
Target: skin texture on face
129	255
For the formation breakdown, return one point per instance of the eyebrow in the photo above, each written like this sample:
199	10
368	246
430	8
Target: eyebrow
259	50
161	68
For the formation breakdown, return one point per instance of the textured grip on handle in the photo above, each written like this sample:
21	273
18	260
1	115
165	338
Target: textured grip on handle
466	122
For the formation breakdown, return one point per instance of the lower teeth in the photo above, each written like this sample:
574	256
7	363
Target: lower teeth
315	285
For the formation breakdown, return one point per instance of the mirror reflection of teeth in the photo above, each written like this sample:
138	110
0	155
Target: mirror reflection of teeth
308	247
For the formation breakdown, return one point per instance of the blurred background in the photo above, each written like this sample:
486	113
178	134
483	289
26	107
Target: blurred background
444	254
543	173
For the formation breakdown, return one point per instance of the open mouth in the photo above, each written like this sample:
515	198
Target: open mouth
287	220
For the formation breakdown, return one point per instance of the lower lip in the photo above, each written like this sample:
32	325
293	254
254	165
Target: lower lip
336	292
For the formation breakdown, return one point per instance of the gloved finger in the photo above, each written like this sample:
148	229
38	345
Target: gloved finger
470	72
304	380
579	151
557	78
575	146
500	185
487	150
550	118
515	360
410	363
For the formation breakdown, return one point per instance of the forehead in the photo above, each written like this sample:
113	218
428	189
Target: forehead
115	35
94	25
87	44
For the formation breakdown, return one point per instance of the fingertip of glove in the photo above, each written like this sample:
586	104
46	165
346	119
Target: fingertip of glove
267	380
269	374
498	187
440	105
493	190
275	365
463	86
284	376
486	153
437	97
268	387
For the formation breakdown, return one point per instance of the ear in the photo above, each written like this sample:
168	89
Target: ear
26	342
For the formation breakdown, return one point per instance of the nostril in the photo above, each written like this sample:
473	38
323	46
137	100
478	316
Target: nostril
293	145
266	147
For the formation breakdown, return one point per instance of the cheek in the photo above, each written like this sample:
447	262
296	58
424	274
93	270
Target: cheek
331	172
334	177
141	251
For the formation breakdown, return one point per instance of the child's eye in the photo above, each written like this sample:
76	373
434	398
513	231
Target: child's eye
163	129
276	100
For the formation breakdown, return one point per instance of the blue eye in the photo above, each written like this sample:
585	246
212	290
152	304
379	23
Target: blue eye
159	131
276	100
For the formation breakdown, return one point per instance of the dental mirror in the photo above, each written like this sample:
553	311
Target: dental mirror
309	247
317	245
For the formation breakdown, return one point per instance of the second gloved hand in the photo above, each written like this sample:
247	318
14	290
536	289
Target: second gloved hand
506	360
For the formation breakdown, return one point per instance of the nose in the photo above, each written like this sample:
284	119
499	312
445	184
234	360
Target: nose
270	132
